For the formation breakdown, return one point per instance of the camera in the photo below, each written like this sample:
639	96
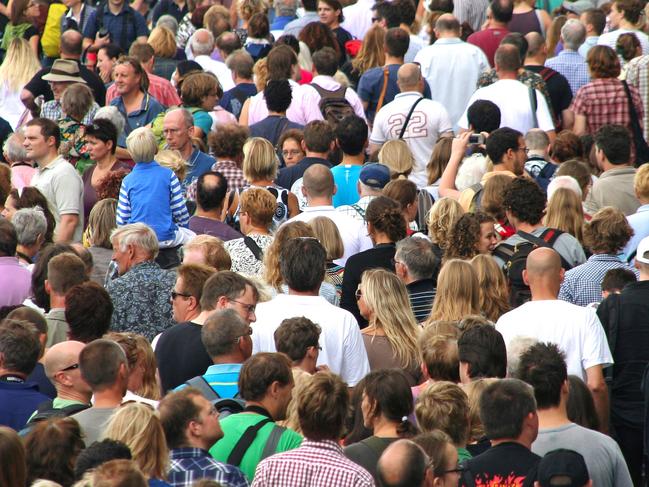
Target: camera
476	139
103	32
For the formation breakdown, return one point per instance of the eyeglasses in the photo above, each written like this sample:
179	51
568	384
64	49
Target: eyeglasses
524	149
174	295
395	262
358	294
250	308
71	367
457	469
292	152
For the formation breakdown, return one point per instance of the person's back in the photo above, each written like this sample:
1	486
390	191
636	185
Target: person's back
351	137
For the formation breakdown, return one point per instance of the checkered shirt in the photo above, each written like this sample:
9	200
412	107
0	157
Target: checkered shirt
233	174
191	464
637	74
571	65
582	285
53	111
314	463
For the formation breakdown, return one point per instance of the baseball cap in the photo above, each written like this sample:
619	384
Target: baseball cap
375	175
642	254
567	464
578	7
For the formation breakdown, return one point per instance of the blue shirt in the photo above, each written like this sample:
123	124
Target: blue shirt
272	127
346	177
571	65
281	21
222	378
197	165
190	464
148	111
587	45
233	99
639	221
132	19
18	400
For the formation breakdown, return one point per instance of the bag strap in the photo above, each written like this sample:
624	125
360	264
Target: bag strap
384	88
405	124
273	440
324	93
254	248
611	326
248	436
533	103
202	385
359	210
547	73
635	122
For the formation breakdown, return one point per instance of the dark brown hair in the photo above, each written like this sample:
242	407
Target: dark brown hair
260	371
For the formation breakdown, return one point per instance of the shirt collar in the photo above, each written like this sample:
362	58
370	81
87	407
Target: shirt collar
449	40
188	452
318	208
603	258
323	445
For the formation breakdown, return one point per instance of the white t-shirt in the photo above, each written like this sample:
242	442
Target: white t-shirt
219	69
342	345
429	120
576	330
513	99
610	39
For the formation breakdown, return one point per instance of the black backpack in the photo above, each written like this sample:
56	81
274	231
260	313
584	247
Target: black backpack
333	104
515	260
225	406
46	411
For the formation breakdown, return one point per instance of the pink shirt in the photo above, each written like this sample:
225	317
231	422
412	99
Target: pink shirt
21	176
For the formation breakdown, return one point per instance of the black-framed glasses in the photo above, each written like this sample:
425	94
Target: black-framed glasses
250	308
71	367
457	469
358	294
175	294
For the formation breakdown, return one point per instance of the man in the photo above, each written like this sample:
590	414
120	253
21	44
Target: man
191	426
499	15
538	165
569	62
482	353
310	15
19	352
318	142
372	178
508	414
178	130
558	87
594	20
88	311
13	153
439	359
226	338
318	188
104	368
351	138
285	12
266	383
56	178
64	73
70	49
116	22
207	250
408	13
544	368
15	280
240	63
319	461
298	338
635	76
133	101
141	292
521	108
417	266
31	228
302	269
278	97
561	466
428	121
404	463
202	45
639	220
63	272
576	330
200	292
474	13
614	187
450	58
211	190
226	43
160	88
624	18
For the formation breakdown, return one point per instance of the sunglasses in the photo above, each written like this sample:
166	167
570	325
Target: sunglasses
71	367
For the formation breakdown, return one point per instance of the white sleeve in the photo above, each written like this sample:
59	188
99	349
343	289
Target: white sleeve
595	349
463	122
543	113
378	134
355	363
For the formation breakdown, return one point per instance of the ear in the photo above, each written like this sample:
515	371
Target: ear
303	145
526	279
48	288
303	190
222	302
562	274
335	189
424	371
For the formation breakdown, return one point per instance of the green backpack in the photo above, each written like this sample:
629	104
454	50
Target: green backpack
156	125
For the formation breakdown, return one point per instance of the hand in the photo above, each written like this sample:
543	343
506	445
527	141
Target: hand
322	368
105	76
460	144
101	41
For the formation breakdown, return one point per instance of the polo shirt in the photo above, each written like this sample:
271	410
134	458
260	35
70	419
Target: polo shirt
488	40
148	111
114	24
197	165
222	378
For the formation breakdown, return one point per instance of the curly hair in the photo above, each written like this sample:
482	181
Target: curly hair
384	214
317	35
607	232
463	238
110	184
525	199
228	140
442	218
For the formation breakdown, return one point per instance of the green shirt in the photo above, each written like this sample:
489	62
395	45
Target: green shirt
463	454
58	403
233	428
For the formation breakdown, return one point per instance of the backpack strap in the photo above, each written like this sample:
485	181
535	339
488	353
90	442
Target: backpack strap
609	314
254	248
533	105
324	93
547	73
384	88
405	124
273	440
359	209
248	436
202	385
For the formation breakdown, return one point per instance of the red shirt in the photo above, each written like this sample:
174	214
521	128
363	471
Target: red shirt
488	40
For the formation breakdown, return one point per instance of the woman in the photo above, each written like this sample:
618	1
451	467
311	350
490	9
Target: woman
101	139
371	55
441	219
226	146
492	204
22	14
257	209
527	19
138	426
473	234
30	197
438	162
290	145
386	404
200	94
405	193
494	293
385	226
398	157
13	469
327	233
554	35
107	57
245	10
52	447
163	42
258	43
19	66
317	35
565	212
443	457
627	47
580	404
458	292
391	336
101	223
331	15
566	146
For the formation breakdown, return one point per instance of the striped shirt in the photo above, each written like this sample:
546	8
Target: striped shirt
421	294
222	378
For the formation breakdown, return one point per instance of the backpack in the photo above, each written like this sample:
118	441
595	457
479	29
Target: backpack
158	122
46	410
51	39
515	258
333	104
225	406
476	201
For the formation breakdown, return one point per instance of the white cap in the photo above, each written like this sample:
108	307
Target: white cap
642	254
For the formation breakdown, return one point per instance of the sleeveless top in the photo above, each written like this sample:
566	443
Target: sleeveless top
526	23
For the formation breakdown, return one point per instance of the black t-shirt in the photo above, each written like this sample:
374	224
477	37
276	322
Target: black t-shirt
504	465
558	88
181	355
38	86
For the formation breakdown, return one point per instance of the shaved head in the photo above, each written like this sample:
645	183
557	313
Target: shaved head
408	77
507	58
61	356
402	463
543	271
447	23
318	181
535	43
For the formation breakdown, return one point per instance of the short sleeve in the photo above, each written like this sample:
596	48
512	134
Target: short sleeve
595	345
365	87
90	30
68	188
203	121
578	105
141	29
37	86
543	113
378	135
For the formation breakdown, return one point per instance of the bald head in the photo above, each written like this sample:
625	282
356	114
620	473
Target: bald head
543	272
507	59
402	463
61	356
202	42
409	77
180	115
447	24
71	41
318	181
535	44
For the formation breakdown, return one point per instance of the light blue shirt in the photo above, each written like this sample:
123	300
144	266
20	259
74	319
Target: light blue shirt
573	66
294	27
588	43
346	177
222	378
639	221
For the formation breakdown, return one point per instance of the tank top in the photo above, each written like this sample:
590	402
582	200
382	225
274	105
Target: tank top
526	23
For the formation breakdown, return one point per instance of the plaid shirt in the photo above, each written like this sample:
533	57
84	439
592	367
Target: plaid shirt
52	110
637	74
233	174
571	65
316	464
191	464
582	285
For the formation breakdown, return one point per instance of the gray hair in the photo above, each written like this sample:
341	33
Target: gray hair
76	101
138	235
113	115
187	116
202	48
221	331
30	223
515	348
418	256
168	21
573	34
567	182
13	148
537	139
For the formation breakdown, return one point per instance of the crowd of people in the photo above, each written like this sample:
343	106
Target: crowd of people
324	243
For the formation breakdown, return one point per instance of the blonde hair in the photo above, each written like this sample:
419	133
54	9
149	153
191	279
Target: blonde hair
174	160
138	426
372	51
566	213
142	144
386	295
288	231
163	42
247	8
101	223
458	292
398	157
494	294
139	353
19	66
442	218
260	74
641	182
444	405
260	161
216	255
474	391
327	233
260	206
301	379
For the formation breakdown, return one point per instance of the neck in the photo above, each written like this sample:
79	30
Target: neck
314	292
321	155
526	227
384	428
507	74
264	404
625	24
211	214
527	444
357	160
276	114
134	97
72	395
380	238
253	230
106	162
202	316
644	276
536	153
109	398
46	160
535	61
191	315
544	291
607	166
187	150
4	371
405	27
553	417
319	201
115	8
57	301
238	81
494	24
307	365
30	250
228	358
76	8
393	60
